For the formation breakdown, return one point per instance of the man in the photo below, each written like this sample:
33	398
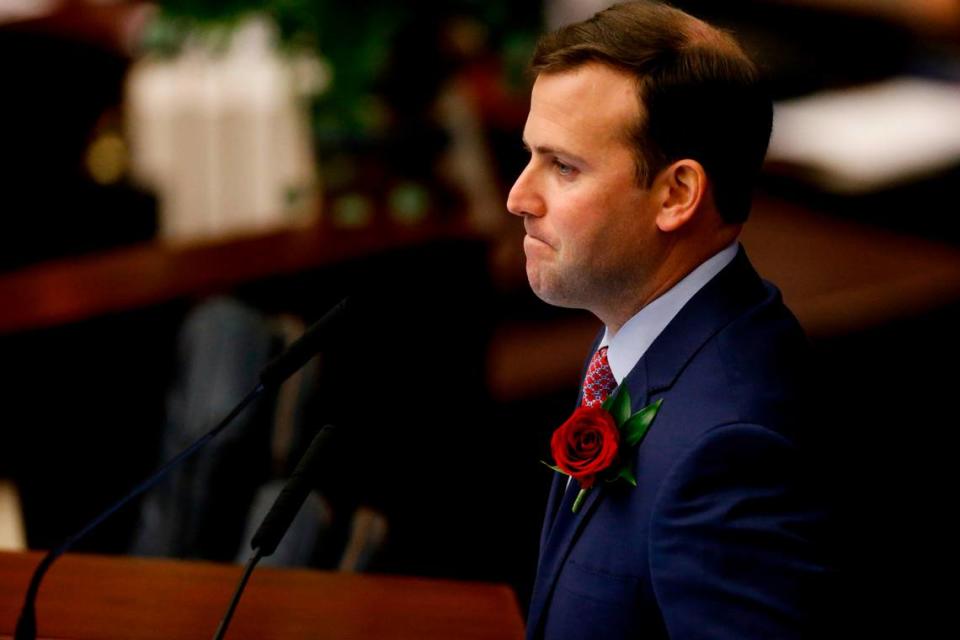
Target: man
646	130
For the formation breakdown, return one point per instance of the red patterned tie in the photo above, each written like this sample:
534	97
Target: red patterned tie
599	381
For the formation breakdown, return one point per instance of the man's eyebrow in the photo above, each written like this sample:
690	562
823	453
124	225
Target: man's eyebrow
551	151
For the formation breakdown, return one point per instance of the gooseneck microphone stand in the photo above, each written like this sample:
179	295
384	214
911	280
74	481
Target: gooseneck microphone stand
281	515
27	623
318	336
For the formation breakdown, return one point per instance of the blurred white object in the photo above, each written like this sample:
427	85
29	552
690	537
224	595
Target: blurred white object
867	138
468	162
12	536
223	137
14	10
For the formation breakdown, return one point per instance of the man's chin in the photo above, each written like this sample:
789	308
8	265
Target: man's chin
550	293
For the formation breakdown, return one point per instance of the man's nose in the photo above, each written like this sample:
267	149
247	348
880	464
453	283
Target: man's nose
524	198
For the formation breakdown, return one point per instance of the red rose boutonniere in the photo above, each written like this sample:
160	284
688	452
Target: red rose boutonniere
595	442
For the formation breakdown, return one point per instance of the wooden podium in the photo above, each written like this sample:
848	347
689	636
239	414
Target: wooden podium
132	599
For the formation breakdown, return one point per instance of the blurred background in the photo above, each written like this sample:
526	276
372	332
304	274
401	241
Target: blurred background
185	185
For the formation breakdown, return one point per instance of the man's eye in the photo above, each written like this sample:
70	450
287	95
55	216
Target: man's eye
563	169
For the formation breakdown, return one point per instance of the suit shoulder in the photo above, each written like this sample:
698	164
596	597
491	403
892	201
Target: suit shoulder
765	359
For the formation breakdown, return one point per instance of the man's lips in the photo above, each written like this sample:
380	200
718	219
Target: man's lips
535	241
536	238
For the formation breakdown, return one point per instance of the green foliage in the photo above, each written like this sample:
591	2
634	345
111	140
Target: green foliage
354	39
206	11
636	426
619	405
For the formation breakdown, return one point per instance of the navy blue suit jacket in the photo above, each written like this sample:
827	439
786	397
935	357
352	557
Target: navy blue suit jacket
722	536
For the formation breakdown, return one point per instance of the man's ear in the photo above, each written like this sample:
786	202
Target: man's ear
681	187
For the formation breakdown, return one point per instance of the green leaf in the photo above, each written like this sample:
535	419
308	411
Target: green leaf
634	429
618	405
557	469
627	474
609	401
579	500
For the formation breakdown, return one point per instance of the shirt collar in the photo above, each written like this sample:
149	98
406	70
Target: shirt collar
629	344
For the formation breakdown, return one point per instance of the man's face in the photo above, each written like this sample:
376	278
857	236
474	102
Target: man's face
590	226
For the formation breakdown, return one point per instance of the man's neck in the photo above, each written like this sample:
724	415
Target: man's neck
676	265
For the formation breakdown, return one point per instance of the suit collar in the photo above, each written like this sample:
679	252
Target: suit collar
726	297
637	334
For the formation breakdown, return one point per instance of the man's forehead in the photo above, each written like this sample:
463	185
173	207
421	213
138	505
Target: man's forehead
590	79
589	101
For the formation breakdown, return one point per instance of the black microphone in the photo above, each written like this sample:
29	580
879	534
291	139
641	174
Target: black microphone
272	376
313	340
293	495
281	515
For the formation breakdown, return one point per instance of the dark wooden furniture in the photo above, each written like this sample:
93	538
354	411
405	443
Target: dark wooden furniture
132	599
69	290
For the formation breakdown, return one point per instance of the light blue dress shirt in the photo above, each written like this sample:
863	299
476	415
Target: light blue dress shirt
627	346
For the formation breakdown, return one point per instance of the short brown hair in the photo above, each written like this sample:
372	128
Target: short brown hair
701	95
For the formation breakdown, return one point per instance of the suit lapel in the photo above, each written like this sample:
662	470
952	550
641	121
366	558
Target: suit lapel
557	487
724	298
558	541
